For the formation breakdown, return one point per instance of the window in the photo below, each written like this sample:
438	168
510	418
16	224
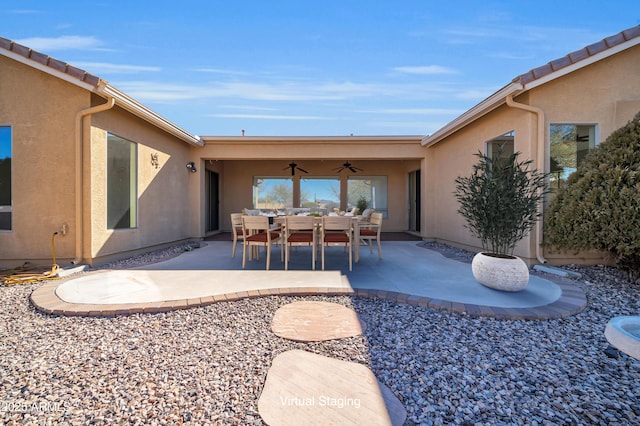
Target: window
371	188
122	194
5	178
568	145
502	144
322	193
272	193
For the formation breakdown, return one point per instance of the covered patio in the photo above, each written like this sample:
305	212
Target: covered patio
269	173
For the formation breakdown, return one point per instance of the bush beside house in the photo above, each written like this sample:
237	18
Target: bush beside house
600	206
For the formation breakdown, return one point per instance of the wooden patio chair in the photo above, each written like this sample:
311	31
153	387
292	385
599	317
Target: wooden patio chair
299	231
258	233
236	230
371	230
337	231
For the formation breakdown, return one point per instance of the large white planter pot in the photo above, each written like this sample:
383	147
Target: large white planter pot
500	273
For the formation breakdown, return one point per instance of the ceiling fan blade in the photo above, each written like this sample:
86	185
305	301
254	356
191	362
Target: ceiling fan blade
302	170
353	169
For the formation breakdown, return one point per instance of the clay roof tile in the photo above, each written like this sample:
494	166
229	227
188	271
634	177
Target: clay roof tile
20	49
39	57
578	55
48	61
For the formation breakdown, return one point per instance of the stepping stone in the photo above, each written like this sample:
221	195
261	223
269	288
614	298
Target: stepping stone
305	388
309	321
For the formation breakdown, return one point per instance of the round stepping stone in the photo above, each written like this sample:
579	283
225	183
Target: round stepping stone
309	321
306	388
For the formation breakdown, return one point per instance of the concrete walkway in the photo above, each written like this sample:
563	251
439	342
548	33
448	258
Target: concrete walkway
408	273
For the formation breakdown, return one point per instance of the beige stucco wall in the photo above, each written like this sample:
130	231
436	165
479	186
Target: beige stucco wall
164	202
455	157
41	111
606	93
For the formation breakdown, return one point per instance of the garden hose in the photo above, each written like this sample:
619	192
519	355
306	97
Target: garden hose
26	274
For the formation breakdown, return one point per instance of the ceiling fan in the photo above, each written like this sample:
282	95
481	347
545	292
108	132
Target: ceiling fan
293	166
348	165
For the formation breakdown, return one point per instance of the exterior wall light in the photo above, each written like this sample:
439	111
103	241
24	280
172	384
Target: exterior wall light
191	166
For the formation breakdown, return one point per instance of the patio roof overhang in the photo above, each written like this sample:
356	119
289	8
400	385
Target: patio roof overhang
312	147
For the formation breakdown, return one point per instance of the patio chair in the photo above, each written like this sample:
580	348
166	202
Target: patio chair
258	233
236	229
371	230
337	231
299	231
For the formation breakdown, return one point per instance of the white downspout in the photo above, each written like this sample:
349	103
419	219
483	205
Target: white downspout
80	115
539	161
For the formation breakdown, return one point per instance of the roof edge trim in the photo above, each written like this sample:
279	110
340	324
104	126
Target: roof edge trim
320	139
47	69
484	107
128	103
583	63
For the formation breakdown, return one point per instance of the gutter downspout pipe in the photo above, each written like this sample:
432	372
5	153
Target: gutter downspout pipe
540	160
79	157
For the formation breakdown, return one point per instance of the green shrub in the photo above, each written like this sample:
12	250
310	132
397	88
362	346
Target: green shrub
362	204
500	200
600	206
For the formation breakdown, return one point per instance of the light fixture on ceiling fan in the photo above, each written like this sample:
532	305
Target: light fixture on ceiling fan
293	166
349	166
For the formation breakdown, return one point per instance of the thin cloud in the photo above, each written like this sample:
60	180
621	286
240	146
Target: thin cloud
107	68
420	127
534	35
474	94
24	11
425	70
419	111
510	56
246	107
269	117
475	33
49	44
283	91
220	71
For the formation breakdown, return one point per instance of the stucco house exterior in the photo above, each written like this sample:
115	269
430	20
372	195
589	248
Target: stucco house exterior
113	178
553	115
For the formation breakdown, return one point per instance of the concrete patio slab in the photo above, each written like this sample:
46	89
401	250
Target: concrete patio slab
408	273
147	286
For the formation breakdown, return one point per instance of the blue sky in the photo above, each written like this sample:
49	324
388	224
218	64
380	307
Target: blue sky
334	67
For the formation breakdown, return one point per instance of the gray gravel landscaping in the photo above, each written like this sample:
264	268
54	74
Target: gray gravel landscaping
207	365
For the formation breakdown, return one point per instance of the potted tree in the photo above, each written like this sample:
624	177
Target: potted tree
500	203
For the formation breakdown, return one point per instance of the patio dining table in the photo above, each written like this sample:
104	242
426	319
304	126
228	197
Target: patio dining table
317	220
